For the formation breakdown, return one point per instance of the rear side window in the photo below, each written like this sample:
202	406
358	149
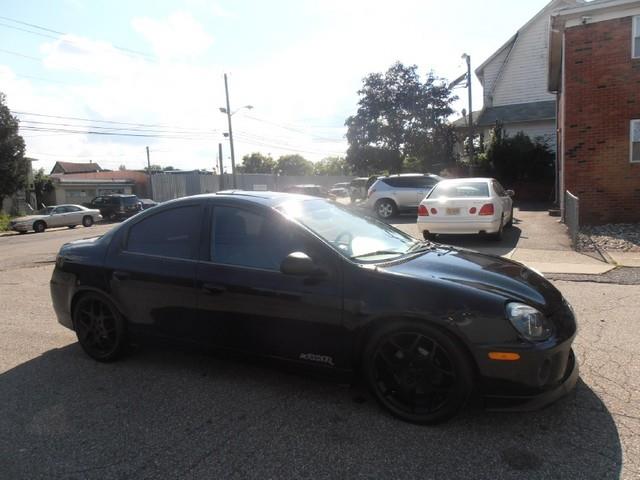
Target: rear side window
128	201
460	190
172	233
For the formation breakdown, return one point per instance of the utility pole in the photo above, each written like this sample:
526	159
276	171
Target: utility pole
471	146
233	157
221	166
149	173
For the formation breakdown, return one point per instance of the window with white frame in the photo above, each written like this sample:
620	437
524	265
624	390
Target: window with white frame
635	141
635	46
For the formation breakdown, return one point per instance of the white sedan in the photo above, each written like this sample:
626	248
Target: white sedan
466	206
57	216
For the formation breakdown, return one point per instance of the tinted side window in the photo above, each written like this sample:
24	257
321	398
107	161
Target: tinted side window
248	239
71	208
173	233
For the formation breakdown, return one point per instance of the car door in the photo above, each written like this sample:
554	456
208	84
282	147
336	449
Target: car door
57	217
74	215
505	200
246	303
151	269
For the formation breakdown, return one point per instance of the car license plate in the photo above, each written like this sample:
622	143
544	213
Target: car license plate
453	211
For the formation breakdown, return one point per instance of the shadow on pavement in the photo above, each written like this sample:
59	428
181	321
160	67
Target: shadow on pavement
175	413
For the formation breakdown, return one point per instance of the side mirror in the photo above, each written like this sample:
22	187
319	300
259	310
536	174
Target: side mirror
511	193
300	264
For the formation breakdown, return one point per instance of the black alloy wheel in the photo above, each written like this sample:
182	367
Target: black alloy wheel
39	227
418	373
87	221
99	327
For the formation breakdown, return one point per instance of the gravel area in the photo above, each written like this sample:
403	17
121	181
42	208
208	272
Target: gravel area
619	236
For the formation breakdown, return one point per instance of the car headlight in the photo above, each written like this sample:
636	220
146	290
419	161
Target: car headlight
530	322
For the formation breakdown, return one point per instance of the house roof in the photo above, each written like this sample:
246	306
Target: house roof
518	113
71	167
573	16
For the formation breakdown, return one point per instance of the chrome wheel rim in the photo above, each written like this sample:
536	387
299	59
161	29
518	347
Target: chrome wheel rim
413	373
385	210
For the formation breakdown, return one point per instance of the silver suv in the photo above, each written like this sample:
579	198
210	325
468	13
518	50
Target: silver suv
395	194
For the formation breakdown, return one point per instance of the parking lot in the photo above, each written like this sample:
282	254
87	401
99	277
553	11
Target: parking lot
169	412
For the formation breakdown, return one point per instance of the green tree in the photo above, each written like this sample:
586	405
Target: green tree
13	166
332	166
294	165
42	185
153	168
257	163
517	158
400	116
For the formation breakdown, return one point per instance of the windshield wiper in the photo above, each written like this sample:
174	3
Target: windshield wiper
376	253
422	245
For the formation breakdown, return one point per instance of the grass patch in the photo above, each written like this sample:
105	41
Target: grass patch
4	222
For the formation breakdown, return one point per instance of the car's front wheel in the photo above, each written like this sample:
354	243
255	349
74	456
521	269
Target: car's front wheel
100	328
417	372
39	227
385	208
87	221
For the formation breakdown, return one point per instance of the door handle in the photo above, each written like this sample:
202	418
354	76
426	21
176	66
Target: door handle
213	289
121	275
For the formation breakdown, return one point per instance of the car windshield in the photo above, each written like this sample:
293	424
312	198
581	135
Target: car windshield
460	190
359	238
46	211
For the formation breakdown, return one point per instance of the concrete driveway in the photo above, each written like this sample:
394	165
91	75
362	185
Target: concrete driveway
536	239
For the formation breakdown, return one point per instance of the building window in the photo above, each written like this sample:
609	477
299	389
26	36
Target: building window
635	46
635	140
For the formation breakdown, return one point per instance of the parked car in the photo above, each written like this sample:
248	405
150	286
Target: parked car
310	281
339	192
313	190
395	194
466	206
117	206
56	216
146	203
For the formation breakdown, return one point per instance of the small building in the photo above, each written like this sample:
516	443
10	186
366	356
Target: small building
514	83
594	68
71	167
67	189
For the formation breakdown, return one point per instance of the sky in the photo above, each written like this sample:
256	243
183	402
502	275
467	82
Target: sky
156	67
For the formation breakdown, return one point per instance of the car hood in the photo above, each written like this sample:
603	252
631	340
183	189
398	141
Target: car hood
492	274
29	218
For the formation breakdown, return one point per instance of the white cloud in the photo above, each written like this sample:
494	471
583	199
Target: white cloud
179	36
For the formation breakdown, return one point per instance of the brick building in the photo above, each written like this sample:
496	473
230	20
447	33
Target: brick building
594	68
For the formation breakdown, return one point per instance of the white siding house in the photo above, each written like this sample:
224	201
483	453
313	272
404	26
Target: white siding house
514	81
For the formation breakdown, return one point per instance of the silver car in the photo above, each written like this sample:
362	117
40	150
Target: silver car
395	194
56	216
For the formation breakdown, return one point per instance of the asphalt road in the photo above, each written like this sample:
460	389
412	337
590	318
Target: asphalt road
167	412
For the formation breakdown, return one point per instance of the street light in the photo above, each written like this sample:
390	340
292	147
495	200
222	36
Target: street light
228	112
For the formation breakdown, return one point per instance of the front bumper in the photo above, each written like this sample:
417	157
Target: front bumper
19	228
527	403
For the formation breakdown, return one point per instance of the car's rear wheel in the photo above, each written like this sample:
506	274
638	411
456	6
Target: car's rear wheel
417	372
87	221
100	328
39	227
385	208
499	234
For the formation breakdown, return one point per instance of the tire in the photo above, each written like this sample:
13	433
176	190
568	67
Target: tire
71	226
87	221
39	226
427	236
510	222
100	328
417	372
499	234
386	209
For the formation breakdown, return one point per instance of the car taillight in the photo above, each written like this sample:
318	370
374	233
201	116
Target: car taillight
434	211
487	209
423	211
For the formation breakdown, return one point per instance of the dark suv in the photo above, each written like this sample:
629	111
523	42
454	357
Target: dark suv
116	207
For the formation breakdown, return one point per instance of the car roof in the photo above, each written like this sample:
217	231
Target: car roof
467	180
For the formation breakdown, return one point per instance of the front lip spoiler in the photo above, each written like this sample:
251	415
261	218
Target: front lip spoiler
513	403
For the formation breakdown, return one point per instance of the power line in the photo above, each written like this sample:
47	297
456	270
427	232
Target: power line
10	52
132	129
117	134
50	30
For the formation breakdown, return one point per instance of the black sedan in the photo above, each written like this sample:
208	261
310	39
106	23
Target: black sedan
309	281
